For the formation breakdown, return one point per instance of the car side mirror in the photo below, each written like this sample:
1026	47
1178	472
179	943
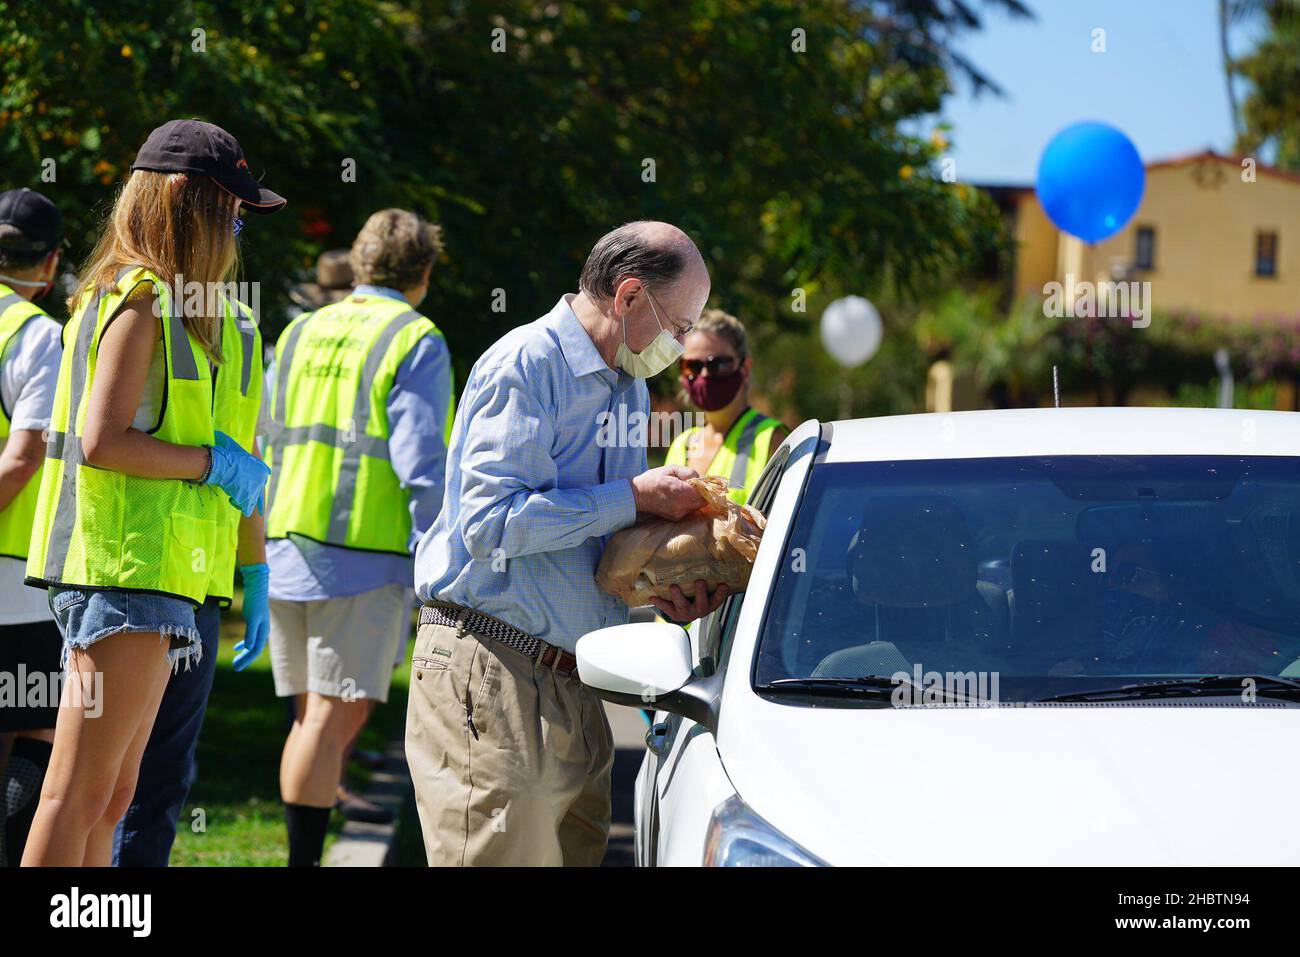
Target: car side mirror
648	665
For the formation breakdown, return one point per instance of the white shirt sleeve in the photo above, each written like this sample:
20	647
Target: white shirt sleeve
30	374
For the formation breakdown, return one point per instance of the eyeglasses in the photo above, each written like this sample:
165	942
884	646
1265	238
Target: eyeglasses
239	224
678	331
717	365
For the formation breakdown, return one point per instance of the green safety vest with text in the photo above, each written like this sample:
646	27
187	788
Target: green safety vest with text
741	457
16	518
331	478
99	528
235	412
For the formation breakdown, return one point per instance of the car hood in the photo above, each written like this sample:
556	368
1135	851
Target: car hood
1120	785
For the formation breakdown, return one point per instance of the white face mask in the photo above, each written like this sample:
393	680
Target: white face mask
45	285
662	352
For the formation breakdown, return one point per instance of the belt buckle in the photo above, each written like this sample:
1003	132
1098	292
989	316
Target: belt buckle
462	626
557	660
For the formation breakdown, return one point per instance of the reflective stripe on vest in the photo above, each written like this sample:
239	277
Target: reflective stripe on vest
367	507
744	446
68	447
274	441
103	529
17	517
346	490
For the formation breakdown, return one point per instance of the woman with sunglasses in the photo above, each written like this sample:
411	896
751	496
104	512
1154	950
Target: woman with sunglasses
735	440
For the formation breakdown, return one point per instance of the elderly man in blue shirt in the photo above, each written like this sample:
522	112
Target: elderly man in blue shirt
340	556
509	752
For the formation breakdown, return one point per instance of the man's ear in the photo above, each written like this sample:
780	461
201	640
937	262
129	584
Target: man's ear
626	291
52	260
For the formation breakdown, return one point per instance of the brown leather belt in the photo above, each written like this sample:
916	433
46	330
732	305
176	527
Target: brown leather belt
486	626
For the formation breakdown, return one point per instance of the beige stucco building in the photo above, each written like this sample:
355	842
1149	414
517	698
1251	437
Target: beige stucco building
1217	235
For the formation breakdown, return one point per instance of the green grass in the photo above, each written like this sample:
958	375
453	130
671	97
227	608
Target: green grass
237	787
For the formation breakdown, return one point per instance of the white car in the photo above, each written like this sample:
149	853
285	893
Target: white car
1053	636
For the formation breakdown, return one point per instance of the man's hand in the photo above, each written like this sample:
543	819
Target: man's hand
682	609
665	492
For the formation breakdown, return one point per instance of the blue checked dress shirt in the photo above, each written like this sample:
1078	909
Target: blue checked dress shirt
533	488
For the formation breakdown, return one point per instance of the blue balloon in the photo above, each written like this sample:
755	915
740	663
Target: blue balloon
1090	180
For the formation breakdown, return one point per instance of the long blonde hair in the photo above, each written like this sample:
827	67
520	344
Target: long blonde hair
173	224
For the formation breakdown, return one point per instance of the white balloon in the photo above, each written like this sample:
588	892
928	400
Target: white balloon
851	330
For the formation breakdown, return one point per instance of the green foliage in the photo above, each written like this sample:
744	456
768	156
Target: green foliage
1005	350
1271	112
1010	352
789	168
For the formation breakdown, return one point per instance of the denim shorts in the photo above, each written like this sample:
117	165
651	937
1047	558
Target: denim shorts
85	617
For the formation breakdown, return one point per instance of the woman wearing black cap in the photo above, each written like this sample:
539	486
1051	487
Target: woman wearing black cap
134	524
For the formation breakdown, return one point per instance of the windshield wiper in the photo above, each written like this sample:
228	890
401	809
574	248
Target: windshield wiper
869	686
1268	685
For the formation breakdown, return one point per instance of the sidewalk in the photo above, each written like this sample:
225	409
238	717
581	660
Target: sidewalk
370	845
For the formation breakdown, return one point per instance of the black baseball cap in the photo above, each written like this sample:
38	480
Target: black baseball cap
38	219
192	146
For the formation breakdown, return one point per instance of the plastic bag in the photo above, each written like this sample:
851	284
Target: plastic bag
716	543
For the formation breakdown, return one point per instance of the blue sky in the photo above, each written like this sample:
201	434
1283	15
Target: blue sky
1160	81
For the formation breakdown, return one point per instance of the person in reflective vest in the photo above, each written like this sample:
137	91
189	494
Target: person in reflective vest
31	233
134	508
146	833
360	404
735	440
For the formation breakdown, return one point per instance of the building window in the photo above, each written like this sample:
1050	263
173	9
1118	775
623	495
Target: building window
1266	254
1146	248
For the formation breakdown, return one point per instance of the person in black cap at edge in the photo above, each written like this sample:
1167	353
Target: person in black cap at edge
31	232
170	392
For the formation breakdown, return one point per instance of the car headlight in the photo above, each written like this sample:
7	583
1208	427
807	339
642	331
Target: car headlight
740	838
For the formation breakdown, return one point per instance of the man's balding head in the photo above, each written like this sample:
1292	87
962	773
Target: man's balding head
659	254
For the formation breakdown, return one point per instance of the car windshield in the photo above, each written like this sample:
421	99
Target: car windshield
1040	577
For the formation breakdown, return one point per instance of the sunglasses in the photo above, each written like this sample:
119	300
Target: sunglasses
717	365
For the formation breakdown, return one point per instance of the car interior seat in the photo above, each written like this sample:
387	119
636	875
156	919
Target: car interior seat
1262	566
912	570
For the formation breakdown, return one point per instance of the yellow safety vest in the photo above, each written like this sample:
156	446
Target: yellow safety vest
331	478
16	519
741	457
103	529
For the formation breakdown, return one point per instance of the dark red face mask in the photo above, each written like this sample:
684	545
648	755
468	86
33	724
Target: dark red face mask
712	392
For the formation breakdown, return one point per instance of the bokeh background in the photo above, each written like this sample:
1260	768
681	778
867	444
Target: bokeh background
801	143
813	149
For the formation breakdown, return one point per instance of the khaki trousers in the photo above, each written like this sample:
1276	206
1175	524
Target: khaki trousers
511	761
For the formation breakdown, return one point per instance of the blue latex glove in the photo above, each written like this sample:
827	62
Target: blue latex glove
257	614
240	475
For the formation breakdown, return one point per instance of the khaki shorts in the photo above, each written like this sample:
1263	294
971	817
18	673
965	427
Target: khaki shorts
511	760
340	647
